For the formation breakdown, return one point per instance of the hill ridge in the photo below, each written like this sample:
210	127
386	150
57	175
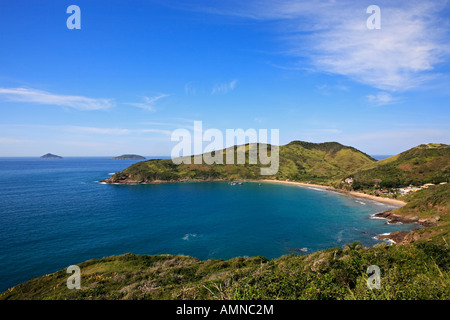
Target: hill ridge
298	161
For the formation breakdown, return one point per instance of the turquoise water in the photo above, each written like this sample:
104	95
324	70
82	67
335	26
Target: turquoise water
54	214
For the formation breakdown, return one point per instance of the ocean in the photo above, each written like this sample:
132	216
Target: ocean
54	213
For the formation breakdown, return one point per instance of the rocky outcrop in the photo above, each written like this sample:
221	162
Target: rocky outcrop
404	237
127	179
395	218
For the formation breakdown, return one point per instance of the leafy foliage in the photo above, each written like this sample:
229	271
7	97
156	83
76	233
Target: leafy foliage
432	204
420	271
428	163
299	161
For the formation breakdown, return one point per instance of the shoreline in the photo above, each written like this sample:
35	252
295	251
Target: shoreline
395	202
393	237
356	194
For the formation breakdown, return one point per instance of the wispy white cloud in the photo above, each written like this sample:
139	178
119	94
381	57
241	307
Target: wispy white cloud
80	130
161	131
149	102
400	56
332	37
382	98
326	89
155	123
95	130
378	141
13	140
178	123
185	120
112	131
190	88
331	131
223	88
399	140
84	144
47	98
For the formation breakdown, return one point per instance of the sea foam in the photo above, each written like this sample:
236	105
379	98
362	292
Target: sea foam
187	236
318	189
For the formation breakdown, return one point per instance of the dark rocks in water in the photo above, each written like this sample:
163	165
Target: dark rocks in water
50	156
395	218
129	157
397	236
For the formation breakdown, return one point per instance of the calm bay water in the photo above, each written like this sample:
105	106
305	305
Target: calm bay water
54	214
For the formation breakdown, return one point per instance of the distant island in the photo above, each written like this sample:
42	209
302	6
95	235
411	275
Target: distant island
50	156
129	157
418	176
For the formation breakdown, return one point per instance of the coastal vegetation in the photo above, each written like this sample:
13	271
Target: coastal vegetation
298	161
417	271
328	163
423	173
416	266
429	207
427	163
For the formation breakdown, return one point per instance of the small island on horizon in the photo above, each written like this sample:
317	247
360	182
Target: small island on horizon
50	156
419	177
129	157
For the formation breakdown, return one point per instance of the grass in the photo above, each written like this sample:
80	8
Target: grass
298	161
432	204
419	271
428	163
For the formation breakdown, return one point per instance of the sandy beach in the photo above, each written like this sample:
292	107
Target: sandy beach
394	237
395	202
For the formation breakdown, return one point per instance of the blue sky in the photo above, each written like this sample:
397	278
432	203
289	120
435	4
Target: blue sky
137	70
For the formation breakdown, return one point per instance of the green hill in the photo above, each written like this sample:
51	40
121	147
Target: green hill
420	271
298	161
319	162
427	163
431	208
